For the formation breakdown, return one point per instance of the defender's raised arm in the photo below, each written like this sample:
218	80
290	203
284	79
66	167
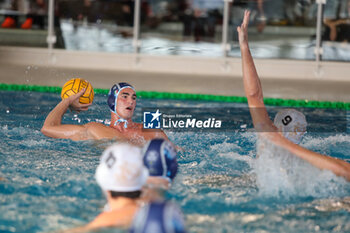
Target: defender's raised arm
251	81
261	120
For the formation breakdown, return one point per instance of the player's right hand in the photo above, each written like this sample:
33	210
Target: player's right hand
75	105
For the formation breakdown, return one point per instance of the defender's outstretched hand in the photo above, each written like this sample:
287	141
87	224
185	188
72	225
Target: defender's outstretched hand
74	103
243	29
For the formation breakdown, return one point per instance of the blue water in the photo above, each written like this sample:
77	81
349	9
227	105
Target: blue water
48	184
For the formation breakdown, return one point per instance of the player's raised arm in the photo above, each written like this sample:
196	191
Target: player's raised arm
251	81
52	126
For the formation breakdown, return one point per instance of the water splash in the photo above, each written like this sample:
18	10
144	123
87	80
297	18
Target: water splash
47	182
280	173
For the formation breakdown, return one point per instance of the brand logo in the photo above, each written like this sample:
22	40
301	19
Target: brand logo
209	123
151	120
157	120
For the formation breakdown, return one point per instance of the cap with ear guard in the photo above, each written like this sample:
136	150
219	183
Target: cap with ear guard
160	158
292	124
113	94
113	99
159	217
121	169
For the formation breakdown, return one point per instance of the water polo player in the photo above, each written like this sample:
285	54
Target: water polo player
159	156
264	125
159	217
121	175
121	101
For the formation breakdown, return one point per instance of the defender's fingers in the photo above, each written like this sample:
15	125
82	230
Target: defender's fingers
246	17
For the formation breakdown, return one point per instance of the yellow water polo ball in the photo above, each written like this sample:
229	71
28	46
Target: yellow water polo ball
75	85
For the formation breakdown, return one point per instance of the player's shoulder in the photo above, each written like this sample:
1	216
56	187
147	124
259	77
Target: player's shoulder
97	130
135	125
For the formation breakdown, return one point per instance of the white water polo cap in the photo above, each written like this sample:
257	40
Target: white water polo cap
121	169
292	124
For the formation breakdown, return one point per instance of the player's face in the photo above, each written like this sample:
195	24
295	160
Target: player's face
126	103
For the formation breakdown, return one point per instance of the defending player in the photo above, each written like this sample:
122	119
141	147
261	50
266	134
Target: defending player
261	120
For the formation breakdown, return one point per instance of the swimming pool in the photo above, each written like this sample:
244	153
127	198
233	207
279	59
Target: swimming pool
48	184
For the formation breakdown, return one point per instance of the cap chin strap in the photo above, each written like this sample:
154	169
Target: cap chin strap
121	120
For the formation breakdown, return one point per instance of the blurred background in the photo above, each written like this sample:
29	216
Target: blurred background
300	47
284	29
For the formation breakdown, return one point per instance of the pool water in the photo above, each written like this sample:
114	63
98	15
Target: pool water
48	184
